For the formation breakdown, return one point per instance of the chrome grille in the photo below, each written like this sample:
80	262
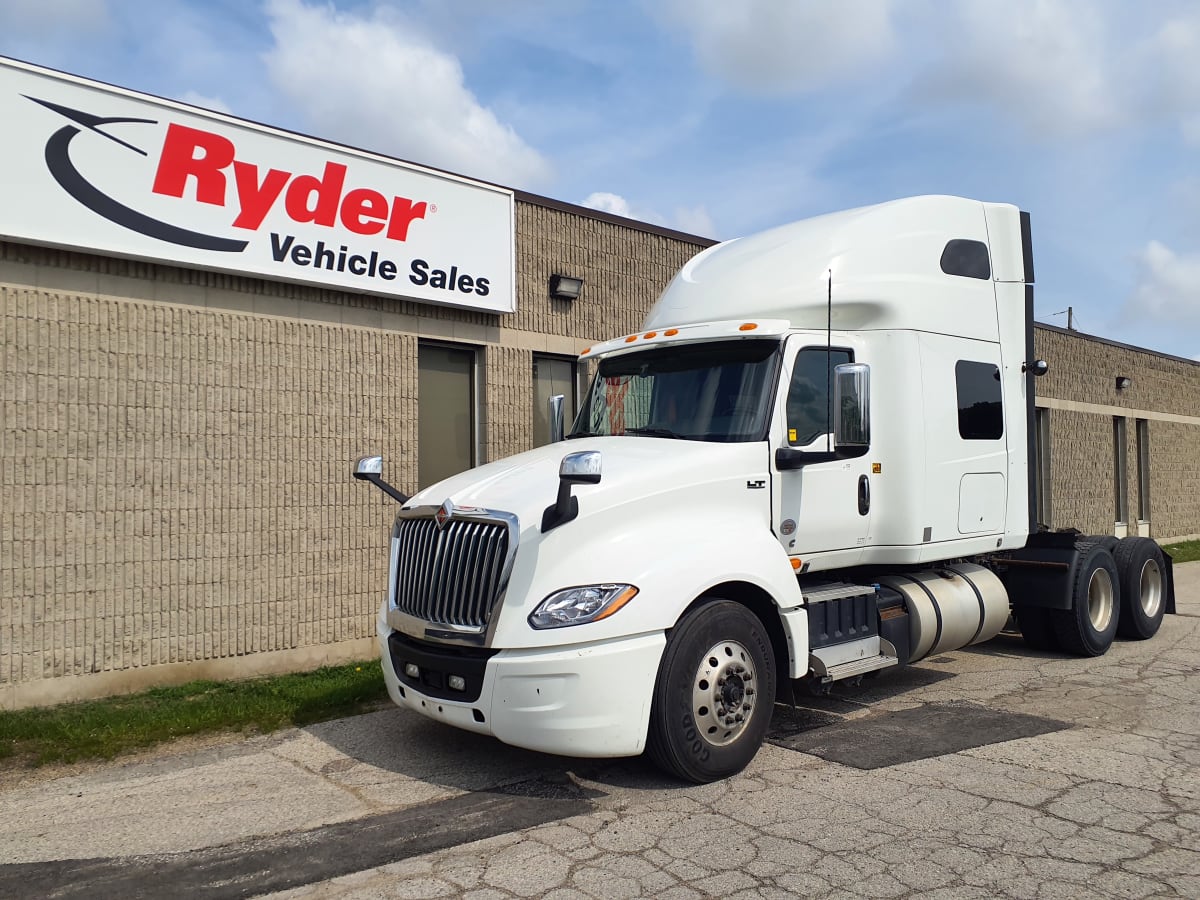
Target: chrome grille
451	575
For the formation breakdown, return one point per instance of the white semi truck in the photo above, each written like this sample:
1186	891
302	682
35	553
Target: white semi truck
812	462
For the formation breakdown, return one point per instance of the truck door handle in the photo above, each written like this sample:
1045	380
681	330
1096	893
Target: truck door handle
864	495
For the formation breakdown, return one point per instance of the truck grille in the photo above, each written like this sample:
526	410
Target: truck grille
451	575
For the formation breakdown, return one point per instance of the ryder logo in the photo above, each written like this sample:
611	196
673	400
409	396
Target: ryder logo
206	157
204	165
69	178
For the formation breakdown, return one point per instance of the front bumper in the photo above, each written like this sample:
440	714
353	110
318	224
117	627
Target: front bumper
580	700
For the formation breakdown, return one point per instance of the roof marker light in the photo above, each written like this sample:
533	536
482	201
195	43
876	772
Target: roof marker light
631	339
586	351
748	326
671	332
650	334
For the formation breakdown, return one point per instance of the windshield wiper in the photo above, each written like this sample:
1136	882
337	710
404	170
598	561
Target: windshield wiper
657	432
579	434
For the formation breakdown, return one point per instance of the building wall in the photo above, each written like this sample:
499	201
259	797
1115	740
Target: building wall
1081	394
175	499
175	449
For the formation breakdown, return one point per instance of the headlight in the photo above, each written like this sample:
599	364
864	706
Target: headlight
577	605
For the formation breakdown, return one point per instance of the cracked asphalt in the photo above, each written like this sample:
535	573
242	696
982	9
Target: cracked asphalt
990	772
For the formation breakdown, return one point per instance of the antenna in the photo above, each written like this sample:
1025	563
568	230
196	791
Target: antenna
828	360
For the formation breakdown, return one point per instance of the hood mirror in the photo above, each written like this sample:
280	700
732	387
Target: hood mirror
556	418
370	468
584	467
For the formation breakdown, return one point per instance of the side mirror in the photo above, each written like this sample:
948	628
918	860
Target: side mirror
583	467
370	468
852	406
556	418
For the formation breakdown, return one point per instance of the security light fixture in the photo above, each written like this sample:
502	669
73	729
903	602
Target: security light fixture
1123	381
564	287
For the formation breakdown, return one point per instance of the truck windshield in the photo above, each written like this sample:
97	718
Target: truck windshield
717	391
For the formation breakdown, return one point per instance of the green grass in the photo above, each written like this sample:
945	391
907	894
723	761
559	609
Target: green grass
1187	551
104	728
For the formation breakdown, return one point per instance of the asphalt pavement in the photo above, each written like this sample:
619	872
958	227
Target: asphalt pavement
991	771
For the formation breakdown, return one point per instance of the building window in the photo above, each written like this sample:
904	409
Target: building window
446	412
552	375
1042	443
808	401
980	412
1143	469
1120	470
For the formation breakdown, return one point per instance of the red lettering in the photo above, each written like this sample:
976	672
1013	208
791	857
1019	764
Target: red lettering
254	199
179	160
327	190
364	211
403	213
189	153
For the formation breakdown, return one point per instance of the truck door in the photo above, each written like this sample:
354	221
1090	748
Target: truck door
824	506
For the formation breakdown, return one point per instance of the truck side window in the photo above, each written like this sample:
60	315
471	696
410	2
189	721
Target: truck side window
980	411
808	409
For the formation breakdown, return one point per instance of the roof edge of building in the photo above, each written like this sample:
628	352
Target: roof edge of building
1100	340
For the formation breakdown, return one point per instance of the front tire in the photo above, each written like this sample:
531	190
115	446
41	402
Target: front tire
1089	626
1142	571
714	694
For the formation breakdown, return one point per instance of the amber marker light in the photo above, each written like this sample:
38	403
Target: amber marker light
796	563
628	594
586	351
671	332
748	326
650	334
631	339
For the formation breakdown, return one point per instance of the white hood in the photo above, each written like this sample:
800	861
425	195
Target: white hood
634	468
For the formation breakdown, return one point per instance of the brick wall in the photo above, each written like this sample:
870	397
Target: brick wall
175	445
1081	392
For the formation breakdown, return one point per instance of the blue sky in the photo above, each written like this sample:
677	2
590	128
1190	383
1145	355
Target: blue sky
723	118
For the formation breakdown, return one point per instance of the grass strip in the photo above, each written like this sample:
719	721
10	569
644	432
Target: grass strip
104	728
1186	551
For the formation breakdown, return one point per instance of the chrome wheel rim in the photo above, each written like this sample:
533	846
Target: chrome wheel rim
1100	599
1150	586
724	693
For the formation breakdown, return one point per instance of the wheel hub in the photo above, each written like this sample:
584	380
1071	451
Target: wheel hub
724	691
1151	588
1100	599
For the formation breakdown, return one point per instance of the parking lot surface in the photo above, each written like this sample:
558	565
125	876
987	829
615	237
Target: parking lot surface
993	771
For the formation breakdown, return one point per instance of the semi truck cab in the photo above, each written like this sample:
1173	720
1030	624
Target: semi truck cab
811	462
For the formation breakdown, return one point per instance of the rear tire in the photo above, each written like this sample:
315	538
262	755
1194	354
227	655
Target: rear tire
1089	626
718	665
1142	572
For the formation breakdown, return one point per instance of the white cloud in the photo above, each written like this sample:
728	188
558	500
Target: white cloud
770	46
375	82
693	220
1052	66
1169	287
214	103
1176	47
609	203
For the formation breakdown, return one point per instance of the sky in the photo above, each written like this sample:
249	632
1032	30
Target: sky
722	118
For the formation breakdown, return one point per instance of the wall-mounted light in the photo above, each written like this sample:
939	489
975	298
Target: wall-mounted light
1123	381
564	287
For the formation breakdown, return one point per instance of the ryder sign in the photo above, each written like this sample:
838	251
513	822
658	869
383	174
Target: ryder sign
97	168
